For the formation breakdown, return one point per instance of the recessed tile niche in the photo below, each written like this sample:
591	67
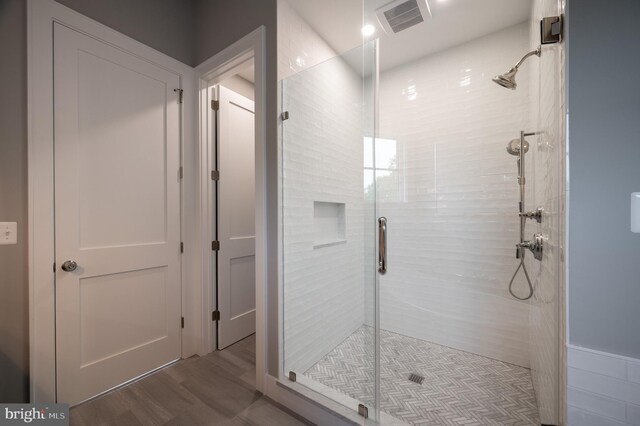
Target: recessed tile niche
328	224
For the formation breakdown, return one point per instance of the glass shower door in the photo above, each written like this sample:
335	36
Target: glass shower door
329	230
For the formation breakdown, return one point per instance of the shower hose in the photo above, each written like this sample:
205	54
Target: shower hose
526	274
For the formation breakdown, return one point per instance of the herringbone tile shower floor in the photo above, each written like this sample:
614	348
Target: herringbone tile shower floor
460	388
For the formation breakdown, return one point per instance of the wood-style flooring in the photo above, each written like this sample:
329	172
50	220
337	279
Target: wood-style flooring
216	389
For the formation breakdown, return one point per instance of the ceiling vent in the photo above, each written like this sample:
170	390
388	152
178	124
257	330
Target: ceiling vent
402	14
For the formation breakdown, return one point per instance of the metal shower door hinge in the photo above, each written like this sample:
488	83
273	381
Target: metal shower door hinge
180	173
180	94
292	376
215	175
551	29
181	322
215	315
363	411
285	115
215	245
215	105
181	247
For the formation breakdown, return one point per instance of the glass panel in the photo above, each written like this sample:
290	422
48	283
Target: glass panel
329	228
455	345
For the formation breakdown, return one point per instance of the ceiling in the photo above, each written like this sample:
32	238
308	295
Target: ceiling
248	73
453	22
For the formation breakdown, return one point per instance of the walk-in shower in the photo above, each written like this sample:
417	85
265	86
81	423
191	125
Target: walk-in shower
402	214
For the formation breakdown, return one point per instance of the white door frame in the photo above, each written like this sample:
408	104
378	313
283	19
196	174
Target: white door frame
210	72
41	14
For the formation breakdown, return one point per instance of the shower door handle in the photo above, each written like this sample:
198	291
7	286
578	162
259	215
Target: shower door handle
382	245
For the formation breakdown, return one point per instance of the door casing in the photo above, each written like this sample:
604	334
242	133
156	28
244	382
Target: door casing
211	72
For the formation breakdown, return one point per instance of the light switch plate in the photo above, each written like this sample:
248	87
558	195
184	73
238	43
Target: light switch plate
8	233
635	212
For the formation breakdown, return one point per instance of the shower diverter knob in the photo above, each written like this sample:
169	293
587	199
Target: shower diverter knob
534	246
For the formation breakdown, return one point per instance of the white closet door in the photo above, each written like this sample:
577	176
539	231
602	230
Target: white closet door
117	215
236	219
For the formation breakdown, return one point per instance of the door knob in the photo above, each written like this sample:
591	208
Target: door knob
69	266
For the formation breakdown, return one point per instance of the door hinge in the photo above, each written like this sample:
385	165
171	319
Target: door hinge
180	93
181	247
182	322
180	173
285	115
54	267
215	316
215	105
215	175
215	245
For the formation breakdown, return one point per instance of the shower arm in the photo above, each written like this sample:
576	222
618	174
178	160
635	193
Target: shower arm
536	52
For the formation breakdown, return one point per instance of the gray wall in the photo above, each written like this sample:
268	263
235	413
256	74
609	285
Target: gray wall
604	168
165	25
219	23
14	326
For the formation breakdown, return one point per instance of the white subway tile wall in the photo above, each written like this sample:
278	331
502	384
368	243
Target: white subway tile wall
603	389
452	201
299	46
546	190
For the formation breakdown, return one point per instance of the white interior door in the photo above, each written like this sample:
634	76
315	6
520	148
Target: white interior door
117	214
236	218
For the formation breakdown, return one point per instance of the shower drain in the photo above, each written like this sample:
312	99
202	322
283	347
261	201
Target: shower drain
416	378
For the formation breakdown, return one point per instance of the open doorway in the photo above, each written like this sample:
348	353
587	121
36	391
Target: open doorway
244	59
232	162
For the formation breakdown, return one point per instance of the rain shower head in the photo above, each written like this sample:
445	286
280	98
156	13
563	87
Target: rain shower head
513	147
508	79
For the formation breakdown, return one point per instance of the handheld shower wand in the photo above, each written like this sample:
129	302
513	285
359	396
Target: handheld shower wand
520	147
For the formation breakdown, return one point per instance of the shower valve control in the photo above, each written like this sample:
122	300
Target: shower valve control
534	246
536	214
